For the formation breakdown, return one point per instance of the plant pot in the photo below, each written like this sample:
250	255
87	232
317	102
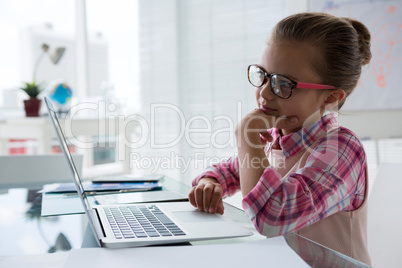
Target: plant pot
32	107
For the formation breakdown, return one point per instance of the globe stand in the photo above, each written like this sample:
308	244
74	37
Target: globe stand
62	113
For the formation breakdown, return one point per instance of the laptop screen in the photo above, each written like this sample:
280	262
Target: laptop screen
66	151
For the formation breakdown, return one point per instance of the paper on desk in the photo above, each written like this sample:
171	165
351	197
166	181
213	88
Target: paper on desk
62	204
272	252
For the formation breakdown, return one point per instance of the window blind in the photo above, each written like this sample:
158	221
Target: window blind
194	56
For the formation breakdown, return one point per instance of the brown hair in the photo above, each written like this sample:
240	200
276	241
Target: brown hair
344	44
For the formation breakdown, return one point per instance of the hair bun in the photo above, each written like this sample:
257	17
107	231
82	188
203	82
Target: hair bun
364	39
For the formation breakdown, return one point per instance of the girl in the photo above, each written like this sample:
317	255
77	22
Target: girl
298	171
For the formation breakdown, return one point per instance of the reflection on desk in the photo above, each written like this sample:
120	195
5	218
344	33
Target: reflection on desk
27	233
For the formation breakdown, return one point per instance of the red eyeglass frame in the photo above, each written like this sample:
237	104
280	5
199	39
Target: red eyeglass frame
294	83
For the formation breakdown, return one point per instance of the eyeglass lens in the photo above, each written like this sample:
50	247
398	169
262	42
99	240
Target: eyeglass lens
280	85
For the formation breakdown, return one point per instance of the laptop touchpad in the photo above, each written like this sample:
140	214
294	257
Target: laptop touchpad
196	216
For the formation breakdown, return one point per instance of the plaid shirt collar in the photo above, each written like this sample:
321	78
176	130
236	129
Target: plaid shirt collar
295	142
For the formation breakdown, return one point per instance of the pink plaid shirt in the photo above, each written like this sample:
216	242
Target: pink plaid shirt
332	180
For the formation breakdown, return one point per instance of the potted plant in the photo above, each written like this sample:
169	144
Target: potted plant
32	105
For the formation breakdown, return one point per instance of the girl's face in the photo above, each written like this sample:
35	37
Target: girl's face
294	61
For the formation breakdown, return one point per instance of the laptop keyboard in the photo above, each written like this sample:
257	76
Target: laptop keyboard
140	221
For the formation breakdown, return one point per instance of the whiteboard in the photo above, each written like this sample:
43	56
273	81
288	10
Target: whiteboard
380	85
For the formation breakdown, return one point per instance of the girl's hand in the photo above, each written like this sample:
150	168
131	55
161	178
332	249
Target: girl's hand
207	196
258	120
250	146
257	123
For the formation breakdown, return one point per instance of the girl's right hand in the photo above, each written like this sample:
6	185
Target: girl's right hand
207	196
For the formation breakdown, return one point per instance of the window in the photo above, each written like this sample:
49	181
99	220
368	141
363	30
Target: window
111	57
24	26
114	24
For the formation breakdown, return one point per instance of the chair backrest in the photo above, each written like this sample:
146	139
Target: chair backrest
385	217
25	169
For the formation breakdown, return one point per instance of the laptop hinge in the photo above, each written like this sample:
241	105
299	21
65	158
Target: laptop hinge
97	222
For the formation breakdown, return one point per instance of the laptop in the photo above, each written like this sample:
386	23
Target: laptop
145	224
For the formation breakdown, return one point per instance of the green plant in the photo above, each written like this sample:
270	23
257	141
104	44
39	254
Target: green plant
32	89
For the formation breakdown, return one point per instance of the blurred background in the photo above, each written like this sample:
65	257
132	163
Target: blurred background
158	86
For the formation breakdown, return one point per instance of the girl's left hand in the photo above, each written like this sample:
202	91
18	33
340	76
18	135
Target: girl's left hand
259	122
251	147
257	119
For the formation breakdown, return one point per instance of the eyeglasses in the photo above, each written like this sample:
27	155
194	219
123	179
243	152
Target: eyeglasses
280	85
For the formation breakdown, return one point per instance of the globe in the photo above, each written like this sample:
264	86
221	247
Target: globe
61	94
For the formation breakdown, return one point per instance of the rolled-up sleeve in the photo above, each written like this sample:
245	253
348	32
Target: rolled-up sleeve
227	174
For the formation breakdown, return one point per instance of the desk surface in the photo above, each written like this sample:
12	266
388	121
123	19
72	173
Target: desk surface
27	233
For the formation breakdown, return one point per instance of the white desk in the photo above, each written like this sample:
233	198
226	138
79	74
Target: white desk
21	220
80	133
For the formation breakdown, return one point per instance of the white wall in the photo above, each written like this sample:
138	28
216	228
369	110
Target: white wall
373	124
195	39
376	124
296	6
